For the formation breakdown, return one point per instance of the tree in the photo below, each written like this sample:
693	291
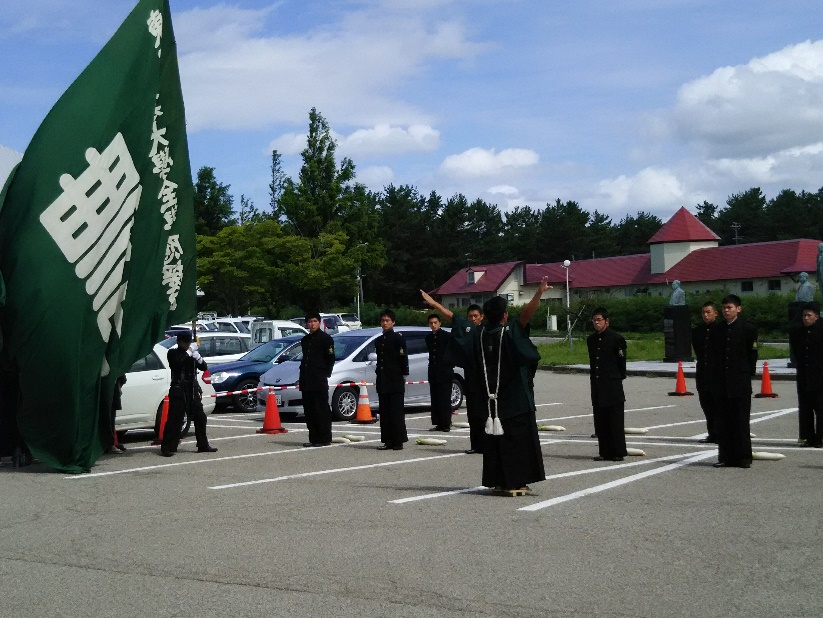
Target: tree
746	210
633	233
562	232
248	213
212	203
315	201
278	180
601	236
520	235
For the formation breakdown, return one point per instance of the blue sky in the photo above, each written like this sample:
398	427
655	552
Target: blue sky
621	105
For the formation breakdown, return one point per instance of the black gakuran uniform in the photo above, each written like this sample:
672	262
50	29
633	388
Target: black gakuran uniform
735	348
315	369
440	376
706	366
391	371
807	343
185	396
607	363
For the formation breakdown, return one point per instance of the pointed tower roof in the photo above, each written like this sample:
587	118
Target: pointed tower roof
683	227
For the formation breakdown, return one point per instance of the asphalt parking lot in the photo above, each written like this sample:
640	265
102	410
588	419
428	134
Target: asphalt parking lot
265	527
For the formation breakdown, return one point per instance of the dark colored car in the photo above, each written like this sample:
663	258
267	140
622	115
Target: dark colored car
245	372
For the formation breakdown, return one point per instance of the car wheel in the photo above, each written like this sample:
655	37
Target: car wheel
184	428
344	403
457	393
246	402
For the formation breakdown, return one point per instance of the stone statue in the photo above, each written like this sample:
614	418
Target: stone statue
678	296
805	291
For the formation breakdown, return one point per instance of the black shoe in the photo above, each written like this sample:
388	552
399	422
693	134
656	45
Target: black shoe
206	449
594	435
384	447
617	459
120	448
471	451
166	453
745	465
397	447
598	458
720	464
322	444
707	441
308	444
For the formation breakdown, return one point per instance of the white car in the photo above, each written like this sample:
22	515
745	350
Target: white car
351	320
216	347
263	331
226	325
147	384
332	324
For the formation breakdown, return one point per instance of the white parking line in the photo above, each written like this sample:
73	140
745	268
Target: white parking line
303	475
607	468
770	414
540	405
564	418
690	459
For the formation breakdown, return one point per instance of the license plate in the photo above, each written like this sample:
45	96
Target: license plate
279	400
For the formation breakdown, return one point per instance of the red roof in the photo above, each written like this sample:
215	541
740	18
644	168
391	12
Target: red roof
683	227
494	275
753	261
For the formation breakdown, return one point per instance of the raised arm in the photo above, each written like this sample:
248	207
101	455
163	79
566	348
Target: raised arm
528	310
435	305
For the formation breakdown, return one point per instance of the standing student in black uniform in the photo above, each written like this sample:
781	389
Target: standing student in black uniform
315	369
706	367
734	345
807	343
185	396
607	362
392	369
440	375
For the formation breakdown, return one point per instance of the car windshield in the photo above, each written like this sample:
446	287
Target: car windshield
242	326
350	317
346	346
266	352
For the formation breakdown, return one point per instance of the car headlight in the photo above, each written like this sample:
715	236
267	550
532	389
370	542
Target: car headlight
222	376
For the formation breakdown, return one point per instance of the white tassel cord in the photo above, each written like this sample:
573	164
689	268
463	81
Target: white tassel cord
493	426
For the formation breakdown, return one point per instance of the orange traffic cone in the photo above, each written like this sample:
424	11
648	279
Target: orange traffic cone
766	384
164	416
363	414
680	386
271	422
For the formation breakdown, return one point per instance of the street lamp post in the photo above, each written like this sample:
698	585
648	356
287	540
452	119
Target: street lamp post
359	298
566	264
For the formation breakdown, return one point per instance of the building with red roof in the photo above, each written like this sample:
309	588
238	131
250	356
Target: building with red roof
683	249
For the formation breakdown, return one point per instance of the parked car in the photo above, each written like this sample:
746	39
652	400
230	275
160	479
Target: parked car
300	320
227	325
147	384
355	360
268	330
216	347
245	373
331	323
351	320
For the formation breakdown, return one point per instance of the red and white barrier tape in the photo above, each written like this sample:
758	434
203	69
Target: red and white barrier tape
283	388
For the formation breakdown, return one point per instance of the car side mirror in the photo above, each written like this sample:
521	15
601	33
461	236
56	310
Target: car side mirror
372	357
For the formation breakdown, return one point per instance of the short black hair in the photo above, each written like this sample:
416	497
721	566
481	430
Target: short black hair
475	307
733	299
312	315
184	336
389	314
709	303
601	311
434	315
812	306
494	309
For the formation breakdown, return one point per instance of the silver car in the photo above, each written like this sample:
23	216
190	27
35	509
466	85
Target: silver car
355	360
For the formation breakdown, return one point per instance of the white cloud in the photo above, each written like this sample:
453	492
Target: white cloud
484	162
288	144
503	190
375	177
770	104
351	70
649	190
386	139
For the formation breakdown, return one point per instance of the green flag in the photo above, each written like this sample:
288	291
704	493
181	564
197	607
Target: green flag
97	239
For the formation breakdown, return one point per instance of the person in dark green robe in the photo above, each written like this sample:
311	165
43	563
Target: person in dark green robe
504	361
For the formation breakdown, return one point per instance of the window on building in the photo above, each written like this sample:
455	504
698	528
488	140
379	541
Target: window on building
774	285
747	286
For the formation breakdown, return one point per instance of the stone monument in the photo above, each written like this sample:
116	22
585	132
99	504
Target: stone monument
677	330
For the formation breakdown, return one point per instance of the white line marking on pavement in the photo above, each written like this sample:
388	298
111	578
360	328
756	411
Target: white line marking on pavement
208	460
443	494
564	418
770	415
538	405
303	475
693	458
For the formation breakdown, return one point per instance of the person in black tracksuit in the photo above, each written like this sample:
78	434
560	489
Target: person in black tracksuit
807	343
440	375
185	396
734	345
315	369
391	371
607	362
706	366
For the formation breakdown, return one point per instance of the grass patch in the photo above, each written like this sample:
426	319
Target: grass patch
644	349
